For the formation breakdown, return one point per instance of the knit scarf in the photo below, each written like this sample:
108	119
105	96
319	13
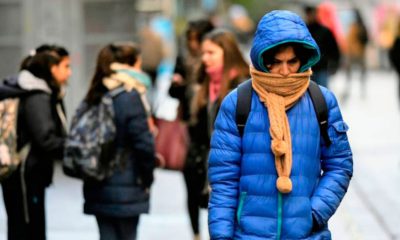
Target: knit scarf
278	94
128	82
214	87
125	76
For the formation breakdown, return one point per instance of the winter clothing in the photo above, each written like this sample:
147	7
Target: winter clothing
15	197
194	172
268	37
279	94
140	76
394	55
200	120
130	79
125	193
245	202
41	123
216	75
330	53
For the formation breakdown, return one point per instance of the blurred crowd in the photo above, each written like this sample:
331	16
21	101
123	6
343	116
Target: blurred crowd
176	81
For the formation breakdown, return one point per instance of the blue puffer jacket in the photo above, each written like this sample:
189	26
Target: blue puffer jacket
245	203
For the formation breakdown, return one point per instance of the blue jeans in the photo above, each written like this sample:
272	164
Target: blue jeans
112	228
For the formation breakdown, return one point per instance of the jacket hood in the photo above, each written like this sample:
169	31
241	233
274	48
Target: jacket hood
9	88
28	81
279	27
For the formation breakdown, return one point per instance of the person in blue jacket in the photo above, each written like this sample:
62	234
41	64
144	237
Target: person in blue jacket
280	180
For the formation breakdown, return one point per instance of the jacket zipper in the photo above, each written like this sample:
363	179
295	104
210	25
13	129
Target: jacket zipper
240	207
279	232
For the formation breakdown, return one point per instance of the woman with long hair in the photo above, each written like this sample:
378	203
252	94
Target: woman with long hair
41	130
223	68
188	65
118	201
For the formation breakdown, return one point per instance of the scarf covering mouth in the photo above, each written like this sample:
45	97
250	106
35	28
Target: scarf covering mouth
279	93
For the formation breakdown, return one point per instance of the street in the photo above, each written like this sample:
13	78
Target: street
370	210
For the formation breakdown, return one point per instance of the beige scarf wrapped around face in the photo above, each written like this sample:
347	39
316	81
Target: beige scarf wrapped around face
278	94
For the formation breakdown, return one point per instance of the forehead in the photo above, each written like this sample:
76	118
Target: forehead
65	60
285	52
210	44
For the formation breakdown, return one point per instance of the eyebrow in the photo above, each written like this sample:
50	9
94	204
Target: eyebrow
292	59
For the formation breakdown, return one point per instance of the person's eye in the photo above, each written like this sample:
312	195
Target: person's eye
293	61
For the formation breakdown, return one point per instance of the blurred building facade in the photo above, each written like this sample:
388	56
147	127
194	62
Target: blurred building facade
82	26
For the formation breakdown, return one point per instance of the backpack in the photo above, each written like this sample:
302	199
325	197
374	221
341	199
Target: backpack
90	152
10	156
244	105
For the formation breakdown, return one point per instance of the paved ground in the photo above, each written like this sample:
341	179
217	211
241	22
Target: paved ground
370	210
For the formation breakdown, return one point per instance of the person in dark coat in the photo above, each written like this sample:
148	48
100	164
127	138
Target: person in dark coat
42	128
394	56
186	72
118	201
222	69
330	53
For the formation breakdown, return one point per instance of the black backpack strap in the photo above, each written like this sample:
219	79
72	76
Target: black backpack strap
321	110
243	105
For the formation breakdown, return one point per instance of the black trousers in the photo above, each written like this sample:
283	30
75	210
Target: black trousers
25	210
195	174
111	228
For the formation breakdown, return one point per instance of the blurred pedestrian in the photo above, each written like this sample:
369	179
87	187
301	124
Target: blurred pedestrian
184	82
281	180
330	54
221	70
152	47
394	54
187	65
241	25
118	201
327	16
42	129
385	27
357	40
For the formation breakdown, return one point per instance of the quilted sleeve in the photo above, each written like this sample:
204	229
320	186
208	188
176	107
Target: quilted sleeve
140	137
336	164
41	125
224	171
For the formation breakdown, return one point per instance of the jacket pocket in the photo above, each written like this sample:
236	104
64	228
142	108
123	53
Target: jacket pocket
240	206
339	137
